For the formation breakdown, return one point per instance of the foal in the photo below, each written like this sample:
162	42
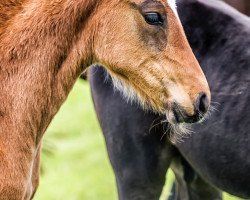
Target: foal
46	44
213	159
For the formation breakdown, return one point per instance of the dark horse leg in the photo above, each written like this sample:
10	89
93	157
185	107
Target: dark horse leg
140	156
189	185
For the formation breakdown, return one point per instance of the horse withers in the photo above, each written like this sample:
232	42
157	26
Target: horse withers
215	157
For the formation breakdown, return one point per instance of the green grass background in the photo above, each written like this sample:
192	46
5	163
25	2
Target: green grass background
78	167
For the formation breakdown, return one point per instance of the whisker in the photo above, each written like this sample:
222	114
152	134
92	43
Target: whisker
214	102
176	132
165	132
154	125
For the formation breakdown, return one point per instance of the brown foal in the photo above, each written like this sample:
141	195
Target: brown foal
46	44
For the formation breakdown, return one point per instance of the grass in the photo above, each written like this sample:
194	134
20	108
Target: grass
78	167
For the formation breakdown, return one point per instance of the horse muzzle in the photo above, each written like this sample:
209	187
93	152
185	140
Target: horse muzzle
179	115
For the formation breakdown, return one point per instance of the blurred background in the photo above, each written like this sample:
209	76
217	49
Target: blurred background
75	164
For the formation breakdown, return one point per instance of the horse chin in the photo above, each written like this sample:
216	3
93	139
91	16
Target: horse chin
176	132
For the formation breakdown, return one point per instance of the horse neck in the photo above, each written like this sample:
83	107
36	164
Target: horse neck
41	57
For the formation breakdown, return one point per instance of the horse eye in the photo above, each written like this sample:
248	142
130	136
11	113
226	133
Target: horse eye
154	19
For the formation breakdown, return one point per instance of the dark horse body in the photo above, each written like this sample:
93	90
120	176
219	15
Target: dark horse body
217	156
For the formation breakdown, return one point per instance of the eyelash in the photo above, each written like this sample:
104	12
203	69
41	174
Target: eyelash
154	18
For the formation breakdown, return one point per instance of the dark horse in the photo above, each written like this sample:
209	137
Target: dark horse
216	157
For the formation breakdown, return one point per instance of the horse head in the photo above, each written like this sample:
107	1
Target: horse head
142	45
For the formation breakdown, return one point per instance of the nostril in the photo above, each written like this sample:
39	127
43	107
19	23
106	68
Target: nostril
202	104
